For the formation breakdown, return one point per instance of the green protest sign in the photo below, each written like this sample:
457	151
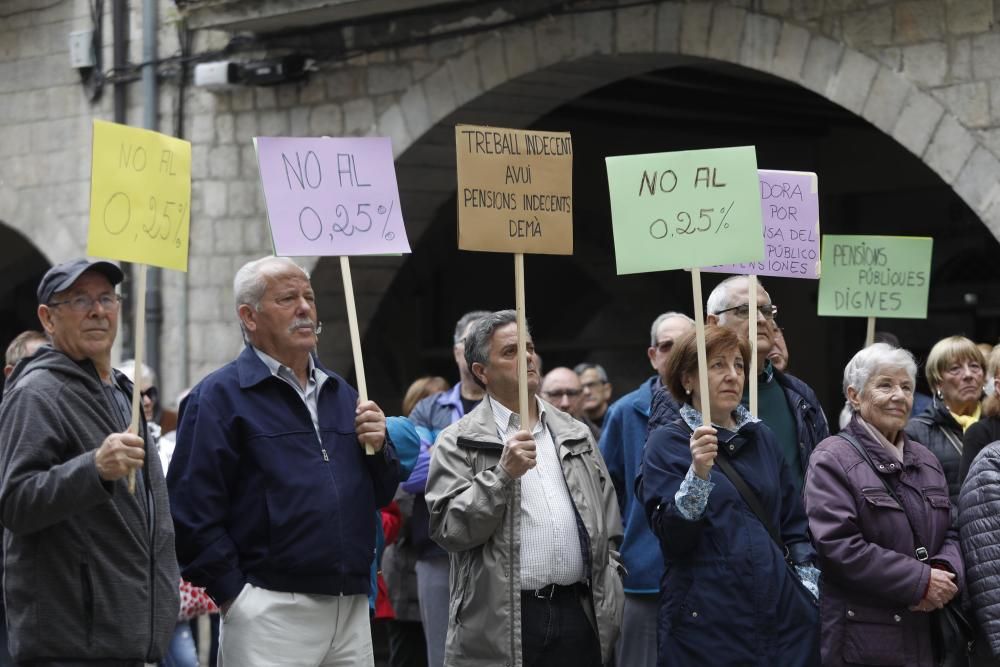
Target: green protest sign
875	276
685	209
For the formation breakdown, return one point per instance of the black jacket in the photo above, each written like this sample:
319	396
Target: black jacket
978	524
90	572
938	431
976	437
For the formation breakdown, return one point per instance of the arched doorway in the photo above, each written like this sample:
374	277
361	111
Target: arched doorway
21	268
581	310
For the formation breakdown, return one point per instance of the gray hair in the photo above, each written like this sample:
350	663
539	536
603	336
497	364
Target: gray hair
719	298
477	343
18	347
586	366
660	320
866	362
465	320
250	282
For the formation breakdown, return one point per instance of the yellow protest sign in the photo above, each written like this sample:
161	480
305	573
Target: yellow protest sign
140	196
515	190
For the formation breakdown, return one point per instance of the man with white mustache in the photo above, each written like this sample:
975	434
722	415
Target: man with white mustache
272	494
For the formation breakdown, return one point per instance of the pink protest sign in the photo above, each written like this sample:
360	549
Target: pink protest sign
789	202
331	196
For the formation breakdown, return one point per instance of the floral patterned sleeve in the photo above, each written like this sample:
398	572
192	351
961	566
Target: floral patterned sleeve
692	498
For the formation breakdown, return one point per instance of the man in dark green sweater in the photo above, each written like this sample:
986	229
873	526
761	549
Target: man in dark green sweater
786	404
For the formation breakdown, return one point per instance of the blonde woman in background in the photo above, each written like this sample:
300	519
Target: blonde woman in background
954	369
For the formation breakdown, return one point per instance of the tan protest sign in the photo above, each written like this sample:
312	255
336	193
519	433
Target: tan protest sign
515	190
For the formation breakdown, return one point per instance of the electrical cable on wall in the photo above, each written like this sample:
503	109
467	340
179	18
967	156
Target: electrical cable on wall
172	65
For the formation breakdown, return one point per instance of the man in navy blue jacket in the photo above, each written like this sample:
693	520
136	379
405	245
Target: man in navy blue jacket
272	495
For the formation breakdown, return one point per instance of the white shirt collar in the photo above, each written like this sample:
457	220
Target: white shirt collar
506	419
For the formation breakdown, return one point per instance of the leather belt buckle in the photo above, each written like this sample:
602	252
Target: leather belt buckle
545	592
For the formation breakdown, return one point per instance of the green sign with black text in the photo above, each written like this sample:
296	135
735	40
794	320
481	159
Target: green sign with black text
875	276
686	209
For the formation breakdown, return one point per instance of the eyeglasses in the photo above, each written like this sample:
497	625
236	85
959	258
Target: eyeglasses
84	304
151	393
591	386
768	310
561	393
664	347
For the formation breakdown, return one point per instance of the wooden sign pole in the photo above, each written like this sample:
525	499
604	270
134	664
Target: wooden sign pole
140	348
699	322
870	334
522	342
751	377
352	323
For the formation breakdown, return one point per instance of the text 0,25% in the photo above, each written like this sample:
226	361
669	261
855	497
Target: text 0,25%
345	222
161	221
705	220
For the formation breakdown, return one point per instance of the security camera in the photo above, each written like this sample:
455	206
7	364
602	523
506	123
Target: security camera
218	75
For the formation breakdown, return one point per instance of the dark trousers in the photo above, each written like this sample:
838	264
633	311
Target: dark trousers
406	644
555	629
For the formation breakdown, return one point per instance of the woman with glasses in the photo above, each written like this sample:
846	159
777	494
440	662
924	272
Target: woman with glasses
955	375
730	593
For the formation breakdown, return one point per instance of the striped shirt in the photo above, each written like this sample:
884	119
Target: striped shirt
550	544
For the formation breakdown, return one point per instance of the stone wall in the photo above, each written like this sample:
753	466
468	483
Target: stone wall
923	71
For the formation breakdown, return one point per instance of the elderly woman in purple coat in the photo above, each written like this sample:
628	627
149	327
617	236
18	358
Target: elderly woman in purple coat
881	578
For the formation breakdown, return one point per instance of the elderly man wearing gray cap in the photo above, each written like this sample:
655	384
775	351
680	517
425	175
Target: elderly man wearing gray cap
91	574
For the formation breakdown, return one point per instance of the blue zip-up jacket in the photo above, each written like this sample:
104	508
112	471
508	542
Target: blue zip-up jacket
256	496
622	443
729	599
430	416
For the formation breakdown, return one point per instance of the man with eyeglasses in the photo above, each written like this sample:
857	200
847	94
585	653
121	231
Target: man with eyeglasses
562	388
785	403
91	574
622	443
273	497
596	391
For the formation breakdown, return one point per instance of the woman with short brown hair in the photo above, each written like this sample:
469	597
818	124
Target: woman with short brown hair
731	593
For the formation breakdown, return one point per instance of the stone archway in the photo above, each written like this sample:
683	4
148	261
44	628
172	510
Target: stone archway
515	75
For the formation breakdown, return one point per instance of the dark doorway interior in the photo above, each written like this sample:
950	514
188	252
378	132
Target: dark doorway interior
21	268
580	309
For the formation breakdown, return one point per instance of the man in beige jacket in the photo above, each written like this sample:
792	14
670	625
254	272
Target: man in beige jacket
531	522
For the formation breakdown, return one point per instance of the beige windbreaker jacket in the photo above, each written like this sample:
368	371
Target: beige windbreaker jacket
468	495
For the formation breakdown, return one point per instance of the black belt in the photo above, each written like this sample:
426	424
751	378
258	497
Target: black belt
553	591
